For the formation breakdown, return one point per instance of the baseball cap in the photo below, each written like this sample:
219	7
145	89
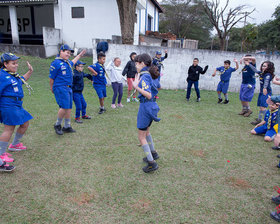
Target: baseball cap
8	57
79	63
273	99
158	52
66	47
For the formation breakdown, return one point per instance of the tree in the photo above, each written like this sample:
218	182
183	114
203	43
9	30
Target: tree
127	10
224	20
186	19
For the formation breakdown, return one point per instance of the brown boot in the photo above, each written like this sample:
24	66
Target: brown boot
248	113
243	112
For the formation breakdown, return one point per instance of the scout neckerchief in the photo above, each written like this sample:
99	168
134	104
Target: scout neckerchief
16	75
66	62
140	74
107	76
224	71
270	117
159	61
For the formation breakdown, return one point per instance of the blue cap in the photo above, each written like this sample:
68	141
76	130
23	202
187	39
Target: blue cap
79	63
275	99
158	52
66	47
8	57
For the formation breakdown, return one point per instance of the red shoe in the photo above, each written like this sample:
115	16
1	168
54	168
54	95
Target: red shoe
78	120
156	97
86	117
17	147
6	159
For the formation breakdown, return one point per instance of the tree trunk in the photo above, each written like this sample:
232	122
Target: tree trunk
222	43
127	9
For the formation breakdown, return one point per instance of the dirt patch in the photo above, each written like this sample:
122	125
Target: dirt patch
238	183
83	198
198	153
177	116
143	205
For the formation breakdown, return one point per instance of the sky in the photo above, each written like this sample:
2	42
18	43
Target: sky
264	8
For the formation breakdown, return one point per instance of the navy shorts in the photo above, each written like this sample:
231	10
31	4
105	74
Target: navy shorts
146	114
100	90
223	87
63	96
262	100
263	130
246	92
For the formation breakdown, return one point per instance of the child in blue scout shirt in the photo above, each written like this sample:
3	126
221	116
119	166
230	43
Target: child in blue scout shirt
99	79
223	85
157	61
77	88
269	125
61	78
266	75
11	110
248	85
148	108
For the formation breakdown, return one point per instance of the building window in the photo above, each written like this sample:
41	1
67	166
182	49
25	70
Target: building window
149	28
78	12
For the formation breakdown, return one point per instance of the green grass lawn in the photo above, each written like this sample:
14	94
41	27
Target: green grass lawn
211	170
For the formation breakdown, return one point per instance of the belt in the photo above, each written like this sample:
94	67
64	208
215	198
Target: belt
14	98
146	100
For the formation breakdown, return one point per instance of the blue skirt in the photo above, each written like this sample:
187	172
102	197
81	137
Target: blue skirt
147	113
14	115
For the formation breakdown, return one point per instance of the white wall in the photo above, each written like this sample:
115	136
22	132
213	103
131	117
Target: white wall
178	61
101	21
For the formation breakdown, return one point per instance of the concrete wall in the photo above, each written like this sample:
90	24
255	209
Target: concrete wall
178	61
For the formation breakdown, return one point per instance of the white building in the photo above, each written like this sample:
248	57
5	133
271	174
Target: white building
76	23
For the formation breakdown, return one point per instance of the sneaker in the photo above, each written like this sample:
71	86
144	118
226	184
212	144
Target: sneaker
101	111
6	159
276	147
226	102
276	200
120	105
155	156
6	167
58	130
248	113
276	215
198	100
243	111
156	97
257	121
188	99
220	100
68	130
7	154
128	100
113	106
17	147
152	166
78	120
134	99
86	117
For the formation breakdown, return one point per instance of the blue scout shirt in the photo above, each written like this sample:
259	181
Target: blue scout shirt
158	61
61	72
100	77
248	75
225	73
78	81
271	119
147	83
10	86
265	80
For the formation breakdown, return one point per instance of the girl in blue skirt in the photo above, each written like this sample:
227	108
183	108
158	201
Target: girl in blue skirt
148	109
11	110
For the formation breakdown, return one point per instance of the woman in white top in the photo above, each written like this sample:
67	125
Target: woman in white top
115	74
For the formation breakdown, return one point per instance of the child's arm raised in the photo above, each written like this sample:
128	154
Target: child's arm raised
236	64
79	56
27	75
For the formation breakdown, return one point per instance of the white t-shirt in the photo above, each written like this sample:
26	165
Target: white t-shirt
114	72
